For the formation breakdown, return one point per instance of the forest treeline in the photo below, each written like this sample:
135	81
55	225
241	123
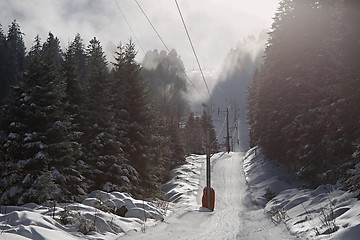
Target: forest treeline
304	101
71	122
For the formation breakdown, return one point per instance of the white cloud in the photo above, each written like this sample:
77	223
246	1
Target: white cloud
215	26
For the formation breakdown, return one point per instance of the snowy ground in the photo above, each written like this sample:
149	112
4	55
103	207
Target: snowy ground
235	217
242	185
324	213
93	219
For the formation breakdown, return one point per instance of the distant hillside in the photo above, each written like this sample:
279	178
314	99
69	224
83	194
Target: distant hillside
233	82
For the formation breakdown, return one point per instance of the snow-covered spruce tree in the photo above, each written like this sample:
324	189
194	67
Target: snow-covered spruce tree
138	118
167	150
117	92
118	88
105	164
176	146
63	135
161	149
40	146
159	153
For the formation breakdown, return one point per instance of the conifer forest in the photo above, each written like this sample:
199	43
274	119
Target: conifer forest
73	121
304	101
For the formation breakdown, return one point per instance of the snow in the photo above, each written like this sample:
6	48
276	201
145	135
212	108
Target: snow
263	176
326	212
185	183
37	144
92	219
29	136
234	217
40	155
244	184
12	136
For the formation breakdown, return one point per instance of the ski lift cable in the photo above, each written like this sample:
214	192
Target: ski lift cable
166	47
153	27
222	127
222	93
131	29
193	49
197	60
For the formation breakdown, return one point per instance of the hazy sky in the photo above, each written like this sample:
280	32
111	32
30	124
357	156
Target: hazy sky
214	25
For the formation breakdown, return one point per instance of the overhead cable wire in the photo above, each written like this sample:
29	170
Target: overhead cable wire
192	46
132	31
199	65
218	135
166	47
222	127
153	27
197	60
222	93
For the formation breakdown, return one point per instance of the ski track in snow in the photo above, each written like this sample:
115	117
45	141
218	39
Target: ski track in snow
234	217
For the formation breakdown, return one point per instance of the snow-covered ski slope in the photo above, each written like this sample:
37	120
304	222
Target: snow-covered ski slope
242	185
234	217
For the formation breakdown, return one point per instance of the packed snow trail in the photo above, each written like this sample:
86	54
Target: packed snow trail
234	217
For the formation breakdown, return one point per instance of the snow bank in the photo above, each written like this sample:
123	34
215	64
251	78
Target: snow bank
324	213
265	178
101	216
184	185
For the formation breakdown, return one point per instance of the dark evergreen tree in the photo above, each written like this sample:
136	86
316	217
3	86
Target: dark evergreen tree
167	148
74	68
165	73
207	125
160	150
117	91
176	146
105	164
193	135
139	115
302	101
3	67
195	131
40	147
16	53
348	49
14	56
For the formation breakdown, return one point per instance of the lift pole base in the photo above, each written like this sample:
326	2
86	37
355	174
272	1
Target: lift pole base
206	202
